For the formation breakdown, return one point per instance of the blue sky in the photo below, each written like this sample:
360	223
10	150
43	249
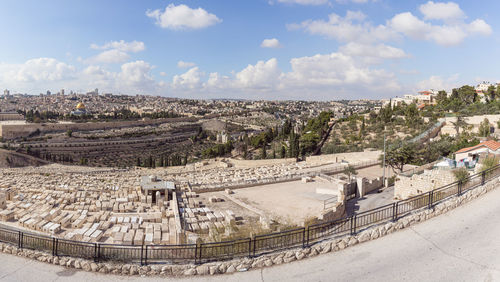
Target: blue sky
258	49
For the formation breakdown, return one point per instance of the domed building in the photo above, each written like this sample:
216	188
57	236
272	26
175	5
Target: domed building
80	110
80	106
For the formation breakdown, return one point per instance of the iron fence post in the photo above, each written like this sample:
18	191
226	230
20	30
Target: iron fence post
98	252
459	187
196	254
430	198
395	211
249	247
142	254
20	237
483	176
254	245
95	252
146	256
200	256
307	234
304	237
353	224
53	246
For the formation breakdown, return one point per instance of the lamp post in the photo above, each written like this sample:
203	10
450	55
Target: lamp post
383	164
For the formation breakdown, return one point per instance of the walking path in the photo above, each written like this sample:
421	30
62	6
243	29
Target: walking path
461	245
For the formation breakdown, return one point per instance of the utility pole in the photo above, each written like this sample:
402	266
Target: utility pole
383	165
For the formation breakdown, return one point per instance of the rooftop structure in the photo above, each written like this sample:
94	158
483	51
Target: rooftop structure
154	187
80	110
469	156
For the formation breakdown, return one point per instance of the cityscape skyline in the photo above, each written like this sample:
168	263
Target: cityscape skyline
274	50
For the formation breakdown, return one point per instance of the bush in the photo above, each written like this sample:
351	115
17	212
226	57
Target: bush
489	162
461	174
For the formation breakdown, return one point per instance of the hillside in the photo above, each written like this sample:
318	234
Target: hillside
13	159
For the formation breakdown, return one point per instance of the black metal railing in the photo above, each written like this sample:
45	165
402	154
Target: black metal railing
248	247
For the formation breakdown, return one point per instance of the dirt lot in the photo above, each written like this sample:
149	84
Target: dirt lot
289	202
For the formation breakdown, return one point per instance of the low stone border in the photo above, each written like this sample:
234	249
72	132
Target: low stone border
245	264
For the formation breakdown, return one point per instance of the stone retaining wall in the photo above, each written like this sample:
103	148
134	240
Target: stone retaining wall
244	264
12	131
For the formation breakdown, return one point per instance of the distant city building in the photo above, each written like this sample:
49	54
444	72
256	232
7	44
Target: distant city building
48	92
222	137
93	93
483	87
424	98
6	92
470	156
80	110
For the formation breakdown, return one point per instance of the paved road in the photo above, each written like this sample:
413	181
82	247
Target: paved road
462	245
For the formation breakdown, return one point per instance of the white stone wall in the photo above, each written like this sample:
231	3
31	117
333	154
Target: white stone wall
406	187
365	185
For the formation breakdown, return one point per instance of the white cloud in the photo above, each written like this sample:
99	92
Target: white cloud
355	1
38	75
133	46
441	11
218	81
133	77
438	83
375	52
109	57
448	34
337	69
271	43
351	28
163	73
136	72
36	70
261	75
328	76
480	27
354	27
115	52
185	65
183	17
410	25
303	2
189	79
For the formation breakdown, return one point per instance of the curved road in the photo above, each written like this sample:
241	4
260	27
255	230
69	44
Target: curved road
462	245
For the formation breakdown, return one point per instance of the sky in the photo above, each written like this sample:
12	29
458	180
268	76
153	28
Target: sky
252	49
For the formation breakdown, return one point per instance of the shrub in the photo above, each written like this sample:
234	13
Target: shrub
489	162
461	174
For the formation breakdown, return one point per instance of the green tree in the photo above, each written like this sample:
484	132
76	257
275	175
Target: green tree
263	153
467	94
385	114
69	133
411	114
491	93
283	152
442	97
309	142
349	170
460	123
398	156
485	128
